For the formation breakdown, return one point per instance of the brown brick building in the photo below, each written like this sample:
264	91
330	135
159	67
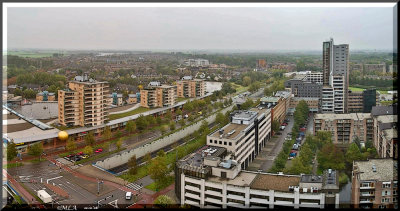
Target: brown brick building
188	87
157	95
83	103
374	184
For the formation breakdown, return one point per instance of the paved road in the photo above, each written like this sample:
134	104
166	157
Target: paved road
265	159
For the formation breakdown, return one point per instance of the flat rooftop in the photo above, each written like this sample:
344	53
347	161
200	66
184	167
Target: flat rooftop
243	179
385	170
332	116
387	118
307	178
244	115
270	99
195	159
228	128
275	182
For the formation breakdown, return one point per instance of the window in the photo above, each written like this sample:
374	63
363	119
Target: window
215	141
225	143
220	142
230	143
386	185
210	141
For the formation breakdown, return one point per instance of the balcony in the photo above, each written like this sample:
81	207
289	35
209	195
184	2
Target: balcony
367	194
366	201
231	196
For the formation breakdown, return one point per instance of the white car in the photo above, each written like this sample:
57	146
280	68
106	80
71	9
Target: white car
128	196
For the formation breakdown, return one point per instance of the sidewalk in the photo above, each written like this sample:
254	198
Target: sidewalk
21	190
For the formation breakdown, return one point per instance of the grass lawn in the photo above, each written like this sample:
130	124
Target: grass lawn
181	99
168	182
355	89
12	165
129	113
389	102
62	127
239	88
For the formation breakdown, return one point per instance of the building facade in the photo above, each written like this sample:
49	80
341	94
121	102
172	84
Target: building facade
374	184
84	103
313	103
214	175
345	127
157	95
335	59
189	87
277	106
132	99
385	131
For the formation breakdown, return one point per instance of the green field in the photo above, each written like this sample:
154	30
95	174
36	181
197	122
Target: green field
355	89
129	113
32	54
239	88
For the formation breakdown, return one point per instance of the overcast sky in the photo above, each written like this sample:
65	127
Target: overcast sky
199	28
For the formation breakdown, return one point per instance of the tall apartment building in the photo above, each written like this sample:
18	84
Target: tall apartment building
306	85
314	77
157	95
335	65
214	176
374	184
345	127
385	131
189	87
84	103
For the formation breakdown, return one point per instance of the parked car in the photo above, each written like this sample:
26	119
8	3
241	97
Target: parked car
284	124
79	153
290	133
295	146
99	150
282	128
186	116
85	156
278	133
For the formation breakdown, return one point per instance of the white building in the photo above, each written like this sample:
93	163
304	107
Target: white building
214	176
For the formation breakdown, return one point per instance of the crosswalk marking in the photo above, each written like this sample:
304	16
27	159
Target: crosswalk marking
134	186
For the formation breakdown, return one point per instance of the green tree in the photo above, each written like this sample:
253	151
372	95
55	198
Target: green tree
88	150
275	126
163	129
151	119
220	119
163	201
161	153
172	125
107	133
353	153
158	171
70	145
106	146
89	138
36	149
11	151
118	144
178	112
159	120
182	122
132	164
147	157
246	81
131	126
141	123
299	167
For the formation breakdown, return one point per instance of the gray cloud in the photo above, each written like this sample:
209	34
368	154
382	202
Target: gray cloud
199	28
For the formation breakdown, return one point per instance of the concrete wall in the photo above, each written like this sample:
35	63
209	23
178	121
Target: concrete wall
156	145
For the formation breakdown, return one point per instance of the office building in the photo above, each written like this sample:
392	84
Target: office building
277	106
157	95
287	96
45	96
385	130
83	103
261	64
374	184
345	127
335	65
214	175
301	88
314	77
189	87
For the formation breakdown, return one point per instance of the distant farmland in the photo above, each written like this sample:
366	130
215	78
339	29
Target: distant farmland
32	54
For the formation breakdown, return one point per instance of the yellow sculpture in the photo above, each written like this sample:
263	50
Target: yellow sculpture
62	135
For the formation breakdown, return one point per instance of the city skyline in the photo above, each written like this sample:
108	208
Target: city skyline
237	29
